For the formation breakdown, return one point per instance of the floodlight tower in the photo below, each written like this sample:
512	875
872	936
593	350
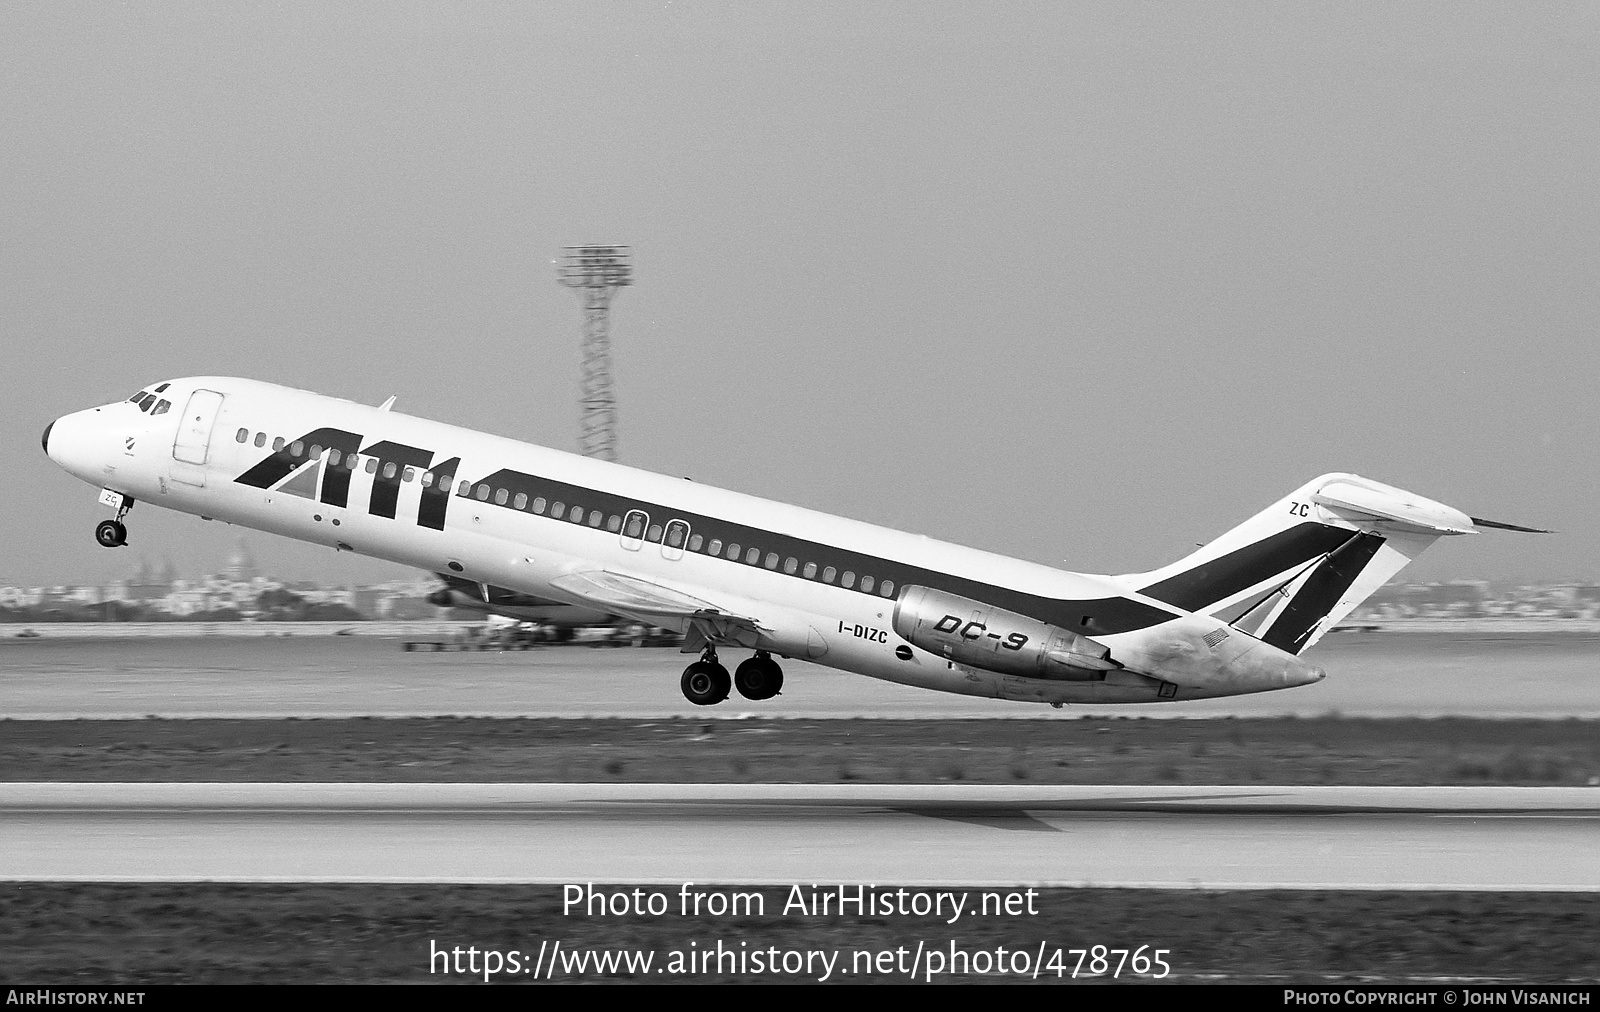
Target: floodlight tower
597	272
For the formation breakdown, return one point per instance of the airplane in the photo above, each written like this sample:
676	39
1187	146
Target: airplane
735	572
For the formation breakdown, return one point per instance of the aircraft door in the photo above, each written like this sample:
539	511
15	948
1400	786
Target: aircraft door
633	528
673	540
194	428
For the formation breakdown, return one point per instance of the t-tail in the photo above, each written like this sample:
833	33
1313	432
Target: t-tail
1288	574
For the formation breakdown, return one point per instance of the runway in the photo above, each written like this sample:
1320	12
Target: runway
1483	838
1490	675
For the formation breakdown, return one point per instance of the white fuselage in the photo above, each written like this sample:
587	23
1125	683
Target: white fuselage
390	506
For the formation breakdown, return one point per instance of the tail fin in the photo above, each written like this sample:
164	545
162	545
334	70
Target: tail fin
1292	571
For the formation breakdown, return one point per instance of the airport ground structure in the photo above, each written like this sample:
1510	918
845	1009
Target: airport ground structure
157	593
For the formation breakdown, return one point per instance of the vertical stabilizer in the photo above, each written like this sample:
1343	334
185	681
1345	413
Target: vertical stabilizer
1292	571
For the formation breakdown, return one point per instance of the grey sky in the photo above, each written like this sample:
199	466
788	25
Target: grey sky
1080	283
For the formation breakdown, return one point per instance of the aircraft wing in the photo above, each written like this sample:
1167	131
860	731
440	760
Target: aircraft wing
649	601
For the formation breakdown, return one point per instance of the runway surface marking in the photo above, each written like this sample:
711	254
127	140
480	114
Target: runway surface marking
1236	837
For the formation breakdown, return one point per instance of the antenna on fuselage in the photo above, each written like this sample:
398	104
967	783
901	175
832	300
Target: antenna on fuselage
596	272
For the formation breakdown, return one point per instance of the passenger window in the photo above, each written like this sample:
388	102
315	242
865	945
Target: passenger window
350	462
887	590
483	493
715	548
444	480
297	448
828	574
753	556
866	584
391	467
677	531
539	505
500	496
654	534
635	525
595	516
576	516
465	489
790	565
242	435
261	439
848	580
695	541
162	406
772	560
521	501
334	456
614	524
558	509
408	474
733	551
810	572
316	451
277	445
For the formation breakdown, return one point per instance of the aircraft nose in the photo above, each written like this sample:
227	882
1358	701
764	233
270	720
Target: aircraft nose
79	444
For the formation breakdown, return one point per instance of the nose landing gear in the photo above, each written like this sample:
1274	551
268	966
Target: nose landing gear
113	533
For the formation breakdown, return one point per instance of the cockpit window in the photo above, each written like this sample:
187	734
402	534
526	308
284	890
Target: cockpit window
161	407
136	398
146	402
162	388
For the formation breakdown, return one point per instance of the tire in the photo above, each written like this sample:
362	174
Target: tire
705	683
759	678
111	534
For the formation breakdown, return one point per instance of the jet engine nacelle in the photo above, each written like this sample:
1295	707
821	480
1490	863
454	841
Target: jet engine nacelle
980	635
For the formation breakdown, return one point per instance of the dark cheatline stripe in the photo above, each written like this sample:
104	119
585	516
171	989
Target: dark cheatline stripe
1101	616
278	466
1321	592
1226	575
1239	609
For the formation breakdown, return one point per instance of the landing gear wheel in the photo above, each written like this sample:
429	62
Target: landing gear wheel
705	683
759	677
111	534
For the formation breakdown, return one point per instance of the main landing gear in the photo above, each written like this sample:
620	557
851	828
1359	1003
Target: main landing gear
759	677
113	533
706	682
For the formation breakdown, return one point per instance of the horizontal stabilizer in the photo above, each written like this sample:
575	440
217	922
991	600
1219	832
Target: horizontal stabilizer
1497	525
1395	505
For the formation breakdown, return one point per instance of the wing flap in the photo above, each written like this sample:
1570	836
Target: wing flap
628	594
647	600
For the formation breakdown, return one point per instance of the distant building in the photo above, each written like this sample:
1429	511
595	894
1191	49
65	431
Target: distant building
241	566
